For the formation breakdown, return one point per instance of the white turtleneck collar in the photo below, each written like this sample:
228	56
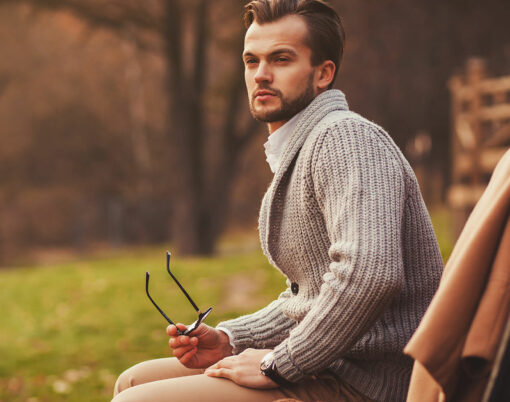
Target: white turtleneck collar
277	140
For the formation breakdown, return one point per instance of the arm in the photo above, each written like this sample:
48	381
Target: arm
359	186
263	329
206	346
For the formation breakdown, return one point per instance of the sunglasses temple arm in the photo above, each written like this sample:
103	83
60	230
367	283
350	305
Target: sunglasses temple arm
178	283
153	302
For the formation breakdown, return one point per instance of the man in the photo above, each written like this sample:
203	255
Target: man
343	220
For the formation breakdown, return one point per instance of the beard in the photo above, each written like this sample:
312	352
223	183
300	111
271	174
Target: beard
288	107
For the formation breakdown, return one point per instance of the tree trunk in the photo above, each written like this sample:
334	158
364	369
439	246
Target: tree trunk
202	201
190	223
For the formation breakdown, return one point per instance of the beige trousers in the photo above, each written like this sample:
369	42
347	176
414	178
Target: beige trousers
168	380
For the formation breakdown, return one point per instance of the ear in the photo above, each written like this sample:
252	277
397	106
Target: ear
324	74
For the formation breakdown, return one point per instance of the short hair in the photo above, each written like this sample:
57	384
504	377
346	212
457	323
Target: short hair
326	35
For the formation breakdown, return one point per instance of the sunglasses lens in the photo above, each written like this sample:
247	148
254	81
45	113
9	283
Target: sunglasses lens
195	325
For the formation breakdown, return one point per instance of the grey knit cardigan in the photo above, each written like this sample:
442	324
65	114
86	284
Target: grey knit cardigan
344	221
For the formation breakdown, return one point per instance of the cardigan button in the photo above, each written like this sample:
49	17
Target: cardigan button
295	288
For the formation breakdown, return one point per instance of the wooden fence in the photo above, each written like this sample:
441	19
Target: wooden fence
481	133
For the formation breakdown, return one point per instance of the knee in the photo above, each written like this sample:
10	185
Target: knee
124	396
126	380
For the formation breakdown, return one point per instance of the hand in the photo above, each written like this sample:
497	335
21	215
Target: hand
243	369
203	347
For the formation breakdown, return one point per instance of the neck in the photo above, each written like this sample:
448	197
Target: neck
275	125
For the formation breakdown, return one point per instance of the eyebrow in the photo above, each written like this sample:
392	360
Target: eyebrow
280	51
274	53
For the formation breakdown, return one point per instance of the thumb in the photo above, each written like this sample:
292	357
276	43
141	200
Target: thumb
202	331
171	330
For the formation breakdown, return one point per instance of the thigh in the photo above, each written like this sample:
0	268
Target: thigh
327	388
196	388
168	380
152	370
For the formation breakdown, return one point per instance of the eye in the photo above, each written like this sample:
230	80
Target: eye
282	60
250	60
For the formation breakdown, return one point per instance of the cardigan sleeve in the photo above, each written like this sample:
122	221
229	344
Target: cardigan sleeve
263	329
359	186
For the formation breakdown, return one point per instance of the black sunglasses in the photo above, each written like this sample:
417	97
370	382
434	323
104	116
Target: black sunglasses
201	316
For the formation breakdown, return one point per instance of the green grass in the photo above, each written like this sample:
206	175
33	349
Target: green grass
443	226
68	330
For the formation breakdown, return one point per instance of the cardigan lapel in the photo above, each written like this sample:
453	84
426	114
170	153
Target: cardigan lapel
319	108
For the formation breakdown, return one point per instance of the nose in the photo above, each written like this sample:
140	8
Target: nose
263	73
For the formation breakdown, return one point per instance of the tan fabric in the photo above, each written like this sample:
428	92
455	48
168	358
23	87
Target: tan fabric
456	342
167	380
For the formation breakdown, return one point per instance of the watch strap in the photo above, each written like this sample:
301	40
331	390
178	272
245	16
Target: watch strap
272	373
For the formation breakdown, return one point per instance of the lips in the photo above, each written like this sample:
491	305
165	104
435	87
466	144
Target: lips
263	95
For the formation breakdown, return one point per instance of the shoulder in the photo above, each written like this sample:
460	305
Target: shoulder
352	136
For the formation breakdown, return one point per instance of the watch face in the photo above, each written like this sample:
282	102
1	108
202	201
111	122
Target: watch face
266	362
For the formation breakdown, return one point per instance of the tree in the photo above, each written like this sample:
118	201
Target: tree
203	182
400	55
398	59
204	199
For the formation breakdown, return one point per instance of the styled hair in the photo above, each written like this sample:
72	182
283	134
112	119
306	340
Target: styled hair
326	35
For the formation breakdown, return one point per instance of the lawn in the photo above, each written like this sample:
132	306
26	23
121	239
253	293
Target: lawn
68	330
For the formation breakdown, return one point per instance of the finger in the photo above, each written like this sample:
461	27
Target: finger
220	372
186	357
171	330
183	339
180	352
201	330
227	362
179	341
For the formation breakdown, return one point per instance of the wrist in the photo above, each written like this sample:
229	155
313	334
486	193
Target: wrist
268	368
224	341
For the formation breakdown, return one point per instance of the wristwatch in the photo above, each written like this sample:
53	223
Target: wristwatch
268	368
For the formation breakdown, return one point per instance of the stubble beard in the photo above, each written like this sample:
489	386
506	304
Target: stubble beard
288	108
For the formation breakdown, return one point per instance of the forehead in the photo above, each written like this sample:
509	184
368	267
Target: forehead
289	31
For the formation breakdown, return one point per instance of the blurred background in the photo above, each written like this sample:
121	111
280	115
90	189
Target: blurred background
124	130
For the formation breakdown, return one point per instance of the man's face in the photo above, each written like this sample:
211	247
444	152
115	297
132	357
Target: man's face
279	76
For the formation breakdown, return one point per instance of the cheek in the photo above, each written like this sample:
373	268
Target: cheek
301	79
248	79
293	81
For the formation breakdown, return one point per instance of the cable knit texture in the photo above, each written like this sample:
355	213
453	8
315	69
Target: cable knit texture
344	219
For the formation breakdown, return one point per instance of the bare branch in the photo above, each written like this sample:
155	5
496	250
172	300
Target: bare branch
111	15
200	48
173	36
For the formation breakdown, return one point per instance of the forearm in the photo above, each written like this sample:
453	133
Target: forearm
338	319
263	329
